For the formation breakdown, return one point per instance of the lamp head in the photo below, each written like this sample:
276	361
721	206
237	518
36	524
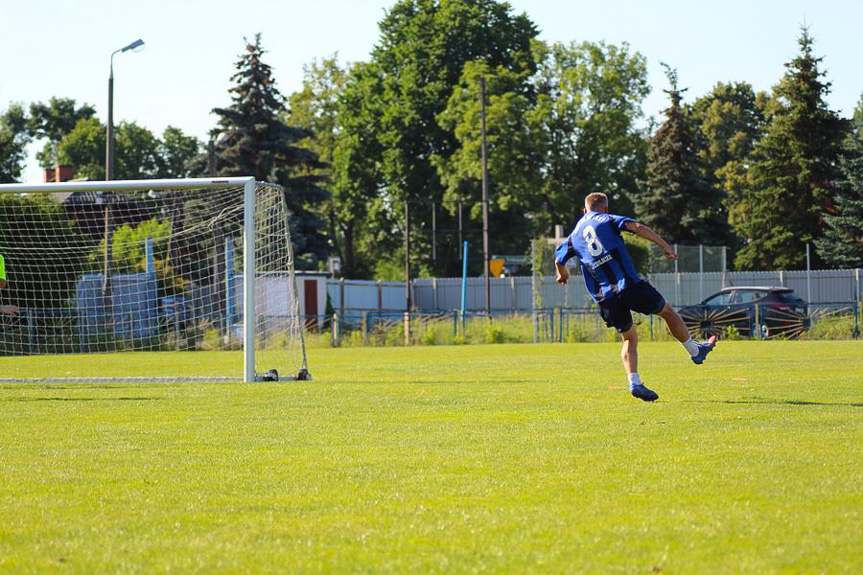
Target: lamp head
135	46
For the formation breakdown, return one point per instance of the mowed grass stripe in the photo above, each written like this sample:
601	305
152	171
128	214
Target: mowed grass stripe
510	457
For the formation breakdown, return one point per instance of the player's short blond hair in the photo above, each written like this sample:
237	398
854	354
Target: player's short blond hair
596	200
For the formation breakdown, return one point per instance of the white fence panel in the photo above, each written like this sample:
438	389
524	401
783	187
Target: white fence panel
516	293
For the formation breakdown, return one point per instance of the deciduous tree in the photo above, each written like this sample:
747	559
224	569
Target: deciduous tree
588	102
14	138
730	121
316	109
423	48
137	151
52	121
177	153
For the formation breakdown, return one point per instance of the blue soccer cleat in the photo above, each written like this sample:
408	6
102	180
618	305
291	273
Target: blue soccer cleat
643	393
703	350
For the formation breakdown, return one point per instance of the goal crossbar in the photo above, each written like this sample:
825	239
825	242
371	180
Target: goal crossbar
128	185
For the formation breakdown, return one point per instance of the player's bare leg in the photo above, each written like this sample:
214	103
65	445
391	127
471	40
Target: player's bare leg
697	351
629	357
629	352
674	322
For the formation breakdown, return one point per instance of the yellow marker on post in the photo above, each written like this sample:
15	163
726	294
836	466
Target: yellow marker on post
496	267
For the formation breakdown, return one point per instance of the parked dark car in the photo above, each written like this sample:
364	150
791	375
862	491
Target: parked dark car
780	313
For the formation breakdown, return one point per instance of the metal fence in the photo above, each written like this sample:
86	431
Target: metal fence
822	321
350	298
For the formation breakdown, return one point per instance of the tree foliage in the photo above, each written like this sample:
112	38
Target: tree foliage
14	138
678	202
37	220
129	255
52	121
177	153
513	163
588	102
315	109
731	122
423	48
554	136
792	178
84	148
258	143
138	153
359	208
842	244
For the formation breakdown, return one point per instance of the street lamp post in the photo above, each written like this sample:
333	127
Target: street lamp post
135	46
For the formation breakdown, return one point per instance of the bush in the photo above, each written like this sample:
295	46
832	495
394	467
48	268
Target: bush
494	334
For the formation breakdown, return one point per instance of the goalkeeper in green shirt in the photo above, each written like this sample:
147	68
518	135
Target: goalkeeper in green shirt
7	309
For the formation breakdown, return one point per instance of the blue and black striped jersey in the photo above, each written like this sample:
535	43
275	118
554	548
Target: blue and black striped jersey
605	263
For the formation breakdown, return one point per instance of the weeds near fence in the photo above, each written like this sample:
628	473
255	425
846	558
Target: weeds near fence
562	326
558	326
833	327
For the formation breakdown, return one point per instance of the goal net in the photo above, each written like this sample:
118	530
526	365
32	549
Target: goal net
148	280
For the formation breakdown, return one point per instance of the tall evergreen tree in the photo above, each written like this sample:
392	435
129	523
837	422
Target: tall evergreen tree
792	175
842	244
677	200
258	143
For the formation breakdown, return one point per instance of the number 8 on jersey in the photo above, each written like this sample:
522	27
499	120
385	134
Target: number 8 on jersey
594	246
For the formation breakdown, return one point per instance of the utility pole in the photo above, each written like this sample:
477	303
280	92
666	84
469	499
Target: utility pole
485	260
460	234
434	234
211	158
407	273
407	256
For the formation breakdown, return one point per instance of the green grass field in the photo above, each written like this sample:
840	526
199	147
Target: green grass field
445	459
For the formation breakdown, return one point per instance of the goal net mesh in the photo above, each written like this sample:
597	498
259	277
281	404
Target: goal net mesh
146	284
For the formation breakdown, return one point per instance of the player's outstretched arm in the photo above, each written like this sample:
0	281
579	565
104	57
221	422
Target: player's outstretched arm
562	273
647	233
9	309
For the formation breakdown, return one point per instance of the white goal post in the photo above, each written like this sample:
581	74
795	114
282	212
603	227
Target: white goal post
97	270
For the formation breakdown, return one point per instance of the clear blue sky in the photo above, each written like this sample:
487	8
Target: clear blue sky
54	48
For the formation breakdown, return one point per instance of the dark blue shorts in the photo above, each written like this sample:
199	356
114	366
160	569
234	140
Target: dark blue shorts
617	310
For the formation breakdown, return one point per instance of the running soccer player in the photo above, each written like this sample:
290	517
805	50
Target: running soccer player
5	309
613	283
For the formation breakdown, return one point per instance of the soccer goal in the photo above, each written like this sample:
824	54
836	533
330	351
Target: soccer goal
152	280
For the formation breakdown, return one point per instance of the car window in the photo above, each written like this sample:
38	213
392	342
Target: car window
788	297
747	296
719	299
